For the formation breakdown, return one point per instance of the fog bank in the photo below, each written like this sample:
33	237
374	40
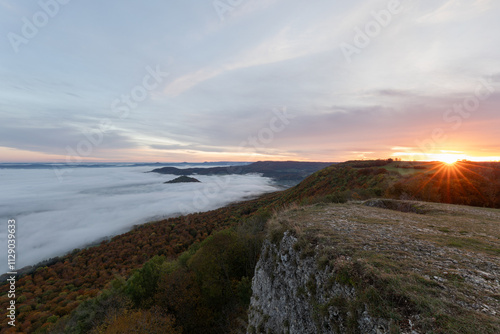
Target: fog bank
55	217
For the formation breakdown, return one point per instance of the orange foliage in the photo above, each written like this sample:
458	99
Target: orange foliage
82	274
141	321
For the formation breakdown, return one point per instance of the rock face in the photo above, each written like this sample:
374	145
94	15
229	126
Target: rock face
292	295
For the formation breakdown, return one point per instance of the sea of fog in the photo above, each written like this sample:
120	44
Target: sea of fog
58	210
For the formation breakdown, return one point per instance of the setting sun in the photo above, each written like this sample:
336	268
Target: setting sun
449	159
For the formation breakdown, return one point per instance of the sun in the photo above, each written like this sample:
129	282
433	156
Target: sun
448	159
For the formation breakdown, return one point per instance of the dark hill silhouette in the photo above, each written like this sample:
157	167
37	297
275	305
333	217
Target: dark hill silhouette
291	172
183	179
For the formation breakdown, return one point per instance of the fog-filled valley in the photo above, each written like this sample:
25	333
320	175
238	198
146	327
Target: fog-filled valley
58	214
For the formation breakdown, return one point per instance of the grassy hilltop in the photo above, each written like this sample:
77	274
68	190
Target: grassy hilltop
428	267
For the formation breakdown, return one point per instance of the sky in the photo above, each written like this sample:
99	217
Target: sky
248	80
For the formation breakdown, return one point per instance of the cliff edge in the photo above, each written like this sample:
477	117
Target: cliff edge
401	267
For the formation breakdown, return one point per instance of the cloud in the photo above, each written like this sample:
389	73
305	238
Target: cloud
453	10
6	4
94	203
282	41
190	80
198	148
55	140
227	76
395	93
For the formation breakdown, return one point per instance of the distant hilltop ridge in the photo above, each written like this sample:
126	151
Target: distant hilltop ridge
183	179
289	172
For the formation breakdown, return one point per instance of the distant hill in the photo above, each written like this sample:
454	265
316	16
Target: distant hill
465	183
285	172
183	179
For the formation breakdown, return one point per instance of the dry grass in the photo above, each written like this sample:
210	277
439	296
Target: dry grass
436	272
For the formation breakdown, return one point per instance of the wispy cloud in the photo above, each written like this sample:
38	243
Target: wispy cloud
453	10
227	76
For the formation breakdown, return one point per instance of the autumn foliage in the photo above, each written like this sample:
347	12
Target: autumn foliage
49	293
206	289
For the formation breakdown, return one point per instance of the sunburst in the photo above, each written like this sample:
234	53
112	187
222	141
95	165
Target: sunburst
448	169
449	159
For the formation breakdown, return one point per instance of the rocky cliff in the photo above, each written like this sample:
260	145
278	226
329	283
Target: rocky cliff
292	295
358	268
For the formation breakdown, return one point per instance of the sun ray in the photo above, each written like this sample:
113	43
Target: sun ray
431	178
466	179
475	165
